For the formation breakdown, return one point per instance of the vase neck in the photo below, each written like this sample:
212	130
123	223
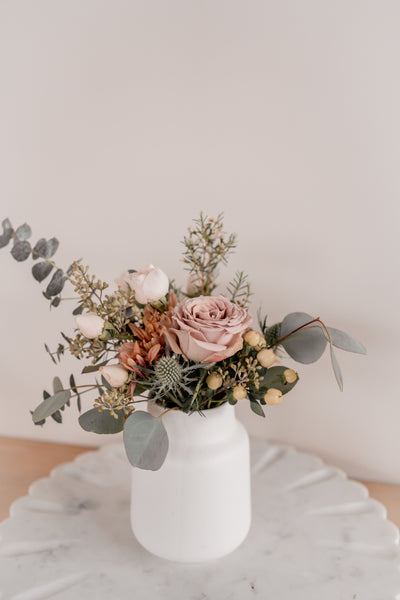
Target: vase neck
212	424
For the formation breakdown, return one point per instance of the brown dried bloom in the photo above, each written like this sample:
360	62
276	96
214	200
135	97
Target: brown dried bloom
150	340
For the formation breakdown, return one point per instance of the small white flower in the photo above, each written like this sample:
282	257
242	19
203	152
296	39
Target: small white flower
90	325
116	375
150	284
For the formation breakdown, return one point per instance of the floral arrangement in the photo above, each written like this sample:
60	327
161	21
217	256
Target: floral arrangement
150	341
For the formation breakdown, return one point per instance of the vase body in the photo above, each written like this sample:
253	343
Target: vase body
197	507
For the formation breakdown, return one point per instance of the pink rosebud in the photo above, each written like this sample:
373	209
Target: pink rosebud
116	375
150	284
90	325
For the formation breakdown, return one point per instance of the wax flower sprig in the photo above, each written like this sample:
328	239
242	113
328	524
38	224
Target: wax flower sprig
149	340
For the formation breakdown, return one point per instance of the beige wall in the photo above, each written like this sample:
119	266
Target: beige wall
120	120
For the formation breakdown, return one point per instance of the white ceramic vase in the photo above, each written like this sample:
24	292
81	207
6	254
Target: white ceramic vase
197	507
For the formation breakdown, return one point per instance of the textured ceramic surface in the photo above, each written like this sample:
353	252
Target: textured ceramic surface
315	535
204	484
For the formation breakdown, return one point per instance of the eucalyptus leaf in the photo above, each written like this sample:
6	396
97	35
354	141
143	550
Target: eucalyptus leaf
146	440
52	247
56	301
101	421
50	405
344	341
23	232
41	270
40	249
78	310
336	369
7	233
93	368
56	283
45	248
257	408
105	383
41	423
306	345
21	250
50	354
274	378
57	416
57	385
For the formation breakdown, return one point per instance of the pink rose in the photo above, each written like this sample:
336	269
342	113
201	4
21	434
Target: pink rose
206	328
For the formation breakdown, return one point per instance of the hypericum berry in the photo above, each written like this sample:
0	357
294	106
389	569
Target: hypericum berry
214	381
168	371
252	337
239	392
290	375
273	396
266	357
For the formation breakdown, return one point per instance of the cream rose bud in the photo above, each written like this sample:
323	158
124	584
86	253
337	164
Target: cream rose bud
266	357
116	375
90	325
150	284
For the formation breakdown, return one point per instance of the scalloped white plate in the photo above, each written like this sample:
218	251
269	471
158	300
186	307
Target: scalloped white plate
315	536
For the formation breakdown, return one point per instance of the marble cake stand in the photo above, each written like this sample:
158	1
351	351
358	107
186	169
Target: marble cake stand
315	536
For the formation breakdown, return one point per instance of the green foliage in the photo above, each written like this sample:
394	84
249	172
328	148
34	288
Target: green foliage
207	246
23	232
21	250
7	233
43	248
56	284
50	405
146	440
102	421
257	408
343	340
239	289
41	270
274	378
303	345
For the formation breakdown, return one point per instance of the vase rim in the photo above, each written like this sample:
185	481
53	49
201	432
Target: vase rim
214	410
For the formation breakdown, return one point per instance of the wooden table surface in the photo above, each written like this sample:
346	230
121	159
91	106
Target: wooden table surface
24	461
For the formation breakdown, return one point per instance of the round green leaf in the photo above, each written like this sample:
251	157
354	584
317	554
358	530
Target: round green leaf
41	270
344	341
7	233
307	345
101	421
23	232
274	378
56	283
21	250
146	440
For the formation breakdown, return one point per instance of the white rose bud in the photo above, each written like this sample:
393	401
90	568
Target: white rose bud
116	375
150	284
90	325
